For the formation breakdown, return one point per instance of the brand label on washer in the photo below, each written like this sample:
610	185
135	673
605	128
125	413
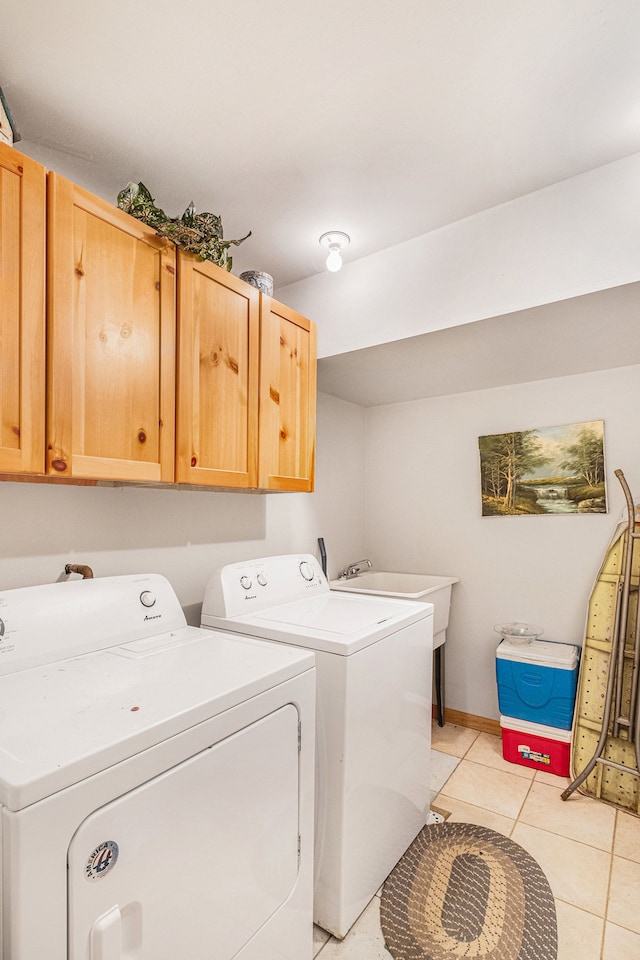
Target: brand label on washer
102	860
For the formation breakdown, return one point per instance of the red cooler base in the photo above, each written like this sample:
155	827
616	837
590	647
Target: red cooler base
537	746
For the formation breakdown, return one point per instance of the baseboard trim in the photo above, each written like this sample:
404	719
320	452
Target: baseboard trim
469	720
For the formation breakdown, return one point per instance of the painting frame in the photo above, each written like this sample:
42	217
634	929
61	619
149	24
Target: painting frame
544	471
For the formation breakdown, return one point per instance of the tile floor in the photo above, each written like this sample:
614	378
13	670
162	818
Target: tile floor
589	851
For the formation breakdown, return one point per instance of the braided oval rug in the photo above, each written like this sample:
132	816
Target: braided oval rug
462	890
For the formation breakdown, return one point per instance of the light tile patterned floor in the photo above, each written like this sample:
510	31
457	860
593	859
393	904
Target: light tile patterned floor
589	851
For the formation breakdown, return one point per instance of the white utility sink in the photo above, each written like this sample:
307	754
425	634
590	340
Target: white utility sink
406	586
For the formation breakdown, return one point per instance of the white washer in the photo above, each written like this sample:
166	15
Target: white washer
154	797
373	666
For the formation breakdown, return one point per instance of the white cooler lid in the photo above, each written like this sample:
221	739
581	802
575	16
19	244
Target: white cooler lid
564	656
535	729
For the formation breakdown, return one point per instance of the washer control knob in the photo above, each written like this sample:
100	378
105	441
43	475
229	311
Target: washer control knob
262	580
245	583
1	629
306	570
147	599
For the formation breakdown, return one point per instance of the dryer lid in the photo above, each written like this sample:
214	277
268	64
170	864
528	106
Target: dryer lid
65	721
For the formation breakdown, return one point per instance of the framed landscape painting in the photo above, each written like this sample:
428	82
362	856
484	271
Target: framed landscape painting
551	470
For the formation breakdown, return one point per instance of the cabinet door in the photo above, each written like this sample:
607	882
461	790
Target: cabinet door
287	398
218	346
22	312
111	341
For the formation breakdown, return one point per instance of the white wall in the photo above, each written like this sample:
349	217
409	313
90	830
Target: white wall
186	534
574	237
424	514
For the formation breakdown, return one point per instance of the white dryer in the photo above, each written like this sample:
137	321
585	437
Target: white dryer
373	666
156	781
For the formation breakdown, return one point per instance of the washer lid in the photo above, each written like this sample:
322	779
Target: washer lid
63	722
334	623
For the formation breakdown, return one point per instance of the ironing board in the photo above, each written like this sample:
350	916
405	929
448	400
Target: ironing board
604	750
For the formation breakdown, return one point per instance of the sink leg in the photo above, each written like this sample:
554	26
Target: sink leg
439	678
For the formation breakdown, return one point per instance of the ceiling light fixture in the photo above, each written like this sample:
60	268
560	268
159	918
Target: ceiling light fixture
335	241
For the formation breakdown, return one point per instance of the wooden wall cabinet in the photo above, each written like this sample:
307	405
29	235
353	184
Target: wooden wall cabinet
110	341
287	398
234	407
22	312
217	394
246	385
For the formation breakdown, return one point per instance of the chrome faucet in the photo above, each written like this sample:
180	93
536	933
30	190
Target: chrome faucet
353	569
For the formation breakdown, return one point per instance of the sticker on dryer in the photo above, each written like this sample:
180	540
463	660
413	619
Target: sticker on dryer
102	860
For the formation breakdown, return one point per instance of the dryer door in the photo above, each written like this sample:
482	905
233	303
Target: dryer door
192	863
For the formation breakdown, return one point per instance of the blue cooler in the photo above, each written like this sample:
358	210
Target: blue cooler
537	681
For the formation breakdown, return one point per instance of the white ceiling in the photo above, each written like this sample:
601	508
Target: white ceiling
598	331
383	119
